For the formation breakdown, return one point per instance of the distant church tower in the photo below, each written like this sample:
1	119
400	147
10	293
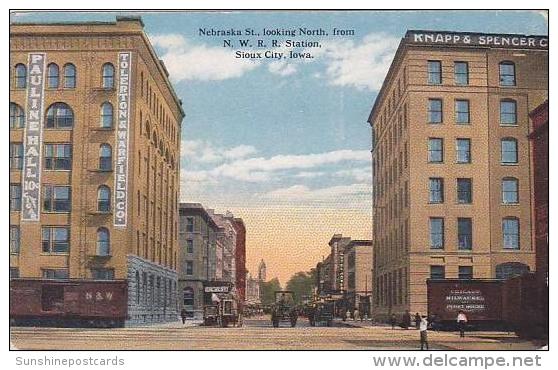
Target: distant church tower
262	271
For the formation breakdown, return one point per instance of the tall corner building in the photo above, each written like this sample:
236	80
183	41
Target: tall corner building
451	162
94	160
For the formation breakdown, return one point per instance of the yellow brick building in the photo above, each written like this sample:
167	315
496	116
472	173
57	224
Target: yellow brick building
452	186
94	160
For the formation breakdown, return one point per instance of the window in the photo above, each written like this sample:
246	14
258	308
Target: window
465	233
188	301
15	197
464	191
14	239
102	274
69	76
465	272
55	274
434	110
462	111
463	147
108	76
508	112
436	233
17	117
189	224
103	242
106	115
58	156
510	190
435	150
509	151
103	199
510	233
434	72
189	246
56	239
57	198
20	76
461	73
507	74
510	269
436	190
53	76
437	272
16	156
14	273
105	157
59	115
189	268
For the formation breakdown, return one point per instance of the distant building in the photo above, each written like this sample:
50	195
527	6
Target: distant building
198	241
358	272
252	290
240	258
337	244
451	162
262	270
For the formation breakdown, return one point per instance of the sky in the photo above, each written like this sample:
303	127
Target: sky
285	144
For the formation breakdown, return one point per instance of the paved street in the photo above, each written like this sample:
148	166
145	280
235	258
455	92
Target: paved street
256	334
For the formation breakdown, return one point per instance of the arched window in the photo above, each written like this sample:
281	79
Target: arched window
507	73
105	157
60	115
108	76
510	269
148	130
103	199
69	76
103	242
510	233
106	115
17	117
53	76
510	190
20	76
155	138
509	150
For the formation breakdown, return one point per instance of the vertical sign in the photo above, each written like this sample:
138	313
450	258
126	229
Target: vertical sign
122	134
33	137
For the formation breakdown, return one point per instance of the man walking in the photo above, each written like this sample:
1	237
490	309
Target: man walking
423	327
183	316
461	322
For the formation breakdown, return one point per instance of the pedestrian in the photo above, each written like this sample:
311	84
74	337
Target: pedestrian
461	323
417	320
423	327
393	321
183	316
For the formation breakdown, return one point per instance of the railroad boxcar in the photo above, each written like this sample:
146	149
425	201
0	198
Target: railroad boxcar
94	303
480	300
523	307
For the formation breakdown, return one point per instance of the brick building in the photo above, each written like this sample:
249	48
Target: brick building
94	160
358	274
240	258
451	162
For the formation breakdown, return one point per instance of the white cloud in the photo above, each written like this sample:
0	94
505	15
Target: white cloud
240	151
359	174
199	62
255	169
333	193
282	68
362	65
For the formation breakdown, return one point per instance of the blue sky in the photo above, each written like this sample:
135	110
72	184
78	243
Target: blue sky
263	134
